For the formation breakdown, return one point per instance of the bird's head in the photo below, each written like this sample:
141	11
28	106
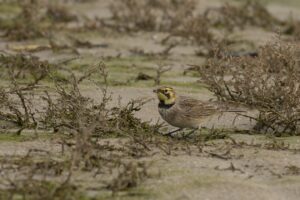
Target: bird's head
165	95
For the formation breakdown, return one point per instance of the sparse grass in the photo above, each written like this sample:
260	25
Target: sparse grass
139	193
9	9
12	137
106	150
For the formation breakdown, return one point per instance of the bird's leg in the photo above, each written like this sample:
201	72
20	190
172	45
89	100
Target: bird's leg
171	132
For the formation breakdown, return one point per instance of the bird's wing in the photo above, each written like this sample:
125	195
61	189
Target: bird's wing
195	108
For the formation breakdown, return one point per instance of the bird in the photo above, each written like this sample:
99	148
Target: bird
185	112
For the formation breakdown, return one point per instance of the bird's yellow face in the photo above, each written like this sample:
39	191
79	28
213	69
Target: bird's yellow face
166	95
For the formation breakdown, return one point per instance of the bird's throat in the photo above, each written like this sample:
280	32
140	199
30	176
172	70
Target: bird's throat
167	102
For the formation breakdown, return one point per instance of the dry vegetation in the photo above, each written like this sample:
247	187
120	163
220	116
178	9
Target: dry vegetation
36	19
269	83
149	15
84	123
180	19
104	141
251	13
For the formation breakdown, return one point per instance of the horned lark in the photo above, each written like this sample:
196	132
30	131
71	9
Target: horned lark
184	112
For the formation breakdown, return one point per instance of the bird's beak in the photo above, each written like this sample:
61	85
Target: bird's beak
155	91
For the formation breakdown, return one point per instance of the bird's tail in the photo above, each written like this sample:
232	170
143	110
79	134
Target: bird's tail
231	107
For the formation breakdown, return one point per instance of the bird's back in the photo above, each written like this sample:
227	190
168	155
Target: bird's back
194	108
186	112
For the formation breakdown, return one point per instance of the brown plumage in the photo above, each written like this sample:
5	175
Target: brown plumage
185	112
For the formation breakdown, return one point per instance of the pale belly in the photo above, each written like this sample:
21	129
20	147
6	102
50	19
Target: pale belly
174	119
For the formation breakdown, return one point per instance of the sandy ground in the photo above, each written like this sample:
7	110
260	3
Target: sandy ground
249	172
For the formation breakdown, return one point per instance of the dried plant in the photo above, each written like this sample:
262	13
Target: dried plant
129	175
17	107
23	66
150	15
194	29
27	24
161	69
33	177
269	83
292	27
80	123
72	110
85	121
250	13
35	20
59	13
17	100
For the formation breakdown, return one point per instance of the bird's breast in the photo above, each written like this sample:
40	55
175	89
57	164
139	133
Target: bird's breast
175	118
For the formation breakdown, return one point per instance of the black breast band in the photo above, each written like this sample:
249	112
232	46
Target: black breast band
163	105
